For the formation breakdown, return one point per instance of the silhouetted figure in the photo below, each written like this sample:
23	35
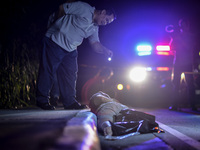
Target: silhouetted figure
183	44
98	83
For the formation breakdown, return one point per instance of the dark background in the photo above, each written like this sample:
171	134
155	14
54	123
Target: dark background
137	20
23	24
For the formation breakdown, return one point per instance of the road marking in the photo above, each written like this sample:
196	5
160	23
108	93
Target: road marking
190	141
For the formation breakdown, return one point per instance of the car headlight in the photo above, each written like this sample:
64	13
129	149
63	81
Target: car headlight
138	74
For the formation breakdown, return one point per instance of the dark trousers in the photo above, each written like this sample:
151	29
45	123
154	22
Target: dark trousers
178	70
56	61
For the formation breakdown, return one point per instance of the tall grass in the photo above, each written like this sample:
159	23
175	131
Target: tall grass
18	71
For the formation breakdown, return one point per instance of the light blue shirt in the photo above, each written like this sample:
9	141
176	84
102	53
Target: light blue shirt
77	23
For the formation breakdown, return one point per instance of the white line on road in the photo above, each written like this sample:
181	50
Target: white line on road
190	141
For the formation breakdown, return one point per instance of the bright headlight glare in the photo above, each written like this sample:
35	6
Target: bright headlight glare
120	87
138	74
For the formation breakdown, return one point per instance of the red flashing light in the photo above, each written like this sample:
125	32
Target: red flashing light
163	53
163	48
162	68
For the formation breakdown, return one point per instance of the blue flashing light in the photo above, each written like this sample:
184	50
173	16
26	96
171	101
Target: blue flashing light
144	48
149	69
144	53
163	86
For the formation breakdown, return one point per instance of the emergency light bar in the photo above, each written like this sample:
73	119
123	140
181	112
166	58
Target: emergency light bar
163	48
144	48
163	53
144	53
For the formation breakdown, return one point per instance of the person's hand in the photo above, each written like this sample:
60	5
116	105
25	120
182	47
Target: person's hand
107	131
108	53
99	48
107	128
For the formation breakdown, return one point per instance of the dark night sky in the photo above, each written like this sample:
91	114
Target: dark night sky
144	21
137	20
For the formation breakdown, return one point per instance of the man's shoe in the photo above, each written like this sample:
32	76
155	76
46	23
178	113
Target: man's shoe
76	106
45	106
53	101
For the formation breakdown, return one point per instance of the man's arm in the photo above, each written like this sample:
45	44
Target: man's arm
99	48
56	15
60	12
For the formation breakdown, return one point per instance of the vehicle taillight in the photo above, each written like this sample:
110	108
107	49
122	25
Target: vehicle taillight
162	68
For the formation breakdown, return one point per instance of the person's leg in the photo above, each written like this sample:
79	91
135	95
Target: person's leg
52	55
190	90
67	76
175	89
54	94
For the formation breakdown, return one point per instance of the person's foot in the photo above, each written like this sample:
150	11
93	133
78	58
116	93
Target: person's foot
53	101
45	106
76	106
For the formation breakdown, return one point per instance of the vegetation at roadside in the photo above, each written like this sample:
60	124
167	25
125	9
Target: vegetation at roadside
20	42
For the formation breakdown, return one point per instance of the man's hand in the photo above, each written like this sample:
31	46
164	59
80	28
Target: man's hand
107	128
99	48
107	131
108	53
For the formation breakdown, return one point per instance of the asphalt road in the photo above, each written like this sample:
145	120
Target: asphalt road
31	129
38	129
182	132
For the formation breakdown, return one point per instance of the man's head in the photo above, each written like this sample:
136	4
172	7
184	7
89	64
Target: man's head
103	17
184	24
99	98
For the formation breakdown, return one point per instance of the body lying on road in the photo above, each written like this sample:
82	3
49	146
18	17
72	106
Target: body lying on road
116	119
